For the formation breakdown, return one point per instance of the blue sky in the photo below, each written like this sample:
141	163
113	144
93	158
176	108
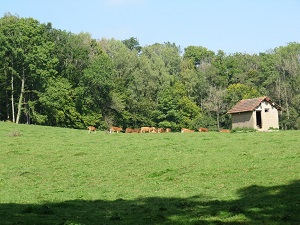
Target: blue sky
247	26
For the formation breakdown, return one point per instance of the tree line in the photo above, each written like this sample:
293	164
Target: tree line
53	77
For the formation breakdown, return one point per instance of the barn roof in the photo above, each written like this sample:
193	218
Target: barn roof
247	105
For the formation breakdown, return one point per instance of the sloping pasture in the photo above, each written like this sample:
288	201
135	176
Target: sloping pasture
64	176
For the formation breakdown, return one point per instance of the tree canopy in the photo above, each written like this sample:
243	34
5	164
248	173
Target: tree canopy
53	77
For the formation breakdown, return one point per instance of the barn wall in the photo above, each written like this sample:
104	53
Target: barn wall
269	116
243	119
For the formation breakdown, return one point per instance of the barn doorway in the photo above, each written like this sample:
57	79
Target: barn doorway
258	119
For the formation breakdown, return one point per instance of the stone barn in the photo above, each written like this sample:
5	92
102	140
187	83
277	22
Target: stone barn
258	113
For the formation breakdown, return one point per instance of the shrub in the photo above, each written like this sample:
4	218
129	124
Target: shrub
243	130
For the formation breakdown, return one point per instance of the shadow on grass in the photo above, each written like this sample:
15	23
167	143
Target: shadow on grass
256	205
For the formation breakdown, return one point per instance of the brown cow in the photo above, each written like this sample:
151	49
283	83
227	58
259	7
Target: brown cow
115	129
129	130
160	130
224	131
185	130
136	130
202	129
91	129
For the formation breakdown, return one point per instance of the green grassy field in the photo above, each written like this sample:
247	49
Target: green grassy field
64	176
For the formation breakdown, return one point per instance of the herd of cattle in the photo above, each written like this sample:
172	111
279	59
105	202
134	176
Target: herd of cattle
151	130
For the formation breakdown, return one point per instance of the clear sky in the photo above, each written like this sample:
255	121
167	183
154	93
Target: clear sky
247	26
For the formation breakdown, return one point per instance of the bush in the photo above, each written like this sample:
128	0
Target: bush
272	128
243	130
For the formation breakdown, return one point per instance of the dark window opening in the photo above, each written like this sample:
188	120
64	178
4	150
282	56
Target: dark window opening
258	119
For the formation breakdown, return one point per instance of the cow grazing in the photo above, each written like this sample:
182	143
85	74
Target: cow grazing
224	131
145	129
185	130
168	130
154	130
129	130
148	130
136	130
115	129
91	129
202	129
160	130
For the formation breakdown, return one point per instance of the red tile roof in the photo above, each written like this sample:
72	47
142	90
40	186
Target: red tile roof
247	105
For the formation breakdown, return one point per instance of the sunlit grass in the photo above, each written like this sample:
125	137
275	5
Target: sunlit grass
169	178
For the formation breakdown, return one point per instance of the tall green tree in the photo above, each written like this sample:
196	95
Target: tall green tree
124	96
133	44
237	92
98	83
176	109
198	54
74	53
215	103
288	66
58	105
30	63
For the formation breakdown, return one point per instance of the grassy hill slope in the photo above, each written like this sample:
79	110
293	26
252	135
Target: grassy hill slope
64	176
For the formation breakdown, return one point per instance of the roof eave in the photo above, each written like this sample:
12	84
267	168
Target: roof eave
239	112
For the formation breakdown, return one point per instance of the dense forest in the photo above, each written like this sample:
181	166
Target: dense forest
53	77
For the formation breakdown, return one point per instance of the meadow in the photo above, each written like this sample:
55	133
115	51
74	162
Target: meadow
65	176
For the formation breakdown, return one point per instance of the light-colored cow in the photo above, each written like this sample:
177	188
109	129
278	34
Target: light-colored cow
153	130
148	130
168	130
145	129
185	130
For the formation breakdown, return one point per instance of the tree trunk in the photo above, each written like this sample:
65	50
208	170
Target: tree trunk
21	98
7	97
218	120
286	103
12	98
26	110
